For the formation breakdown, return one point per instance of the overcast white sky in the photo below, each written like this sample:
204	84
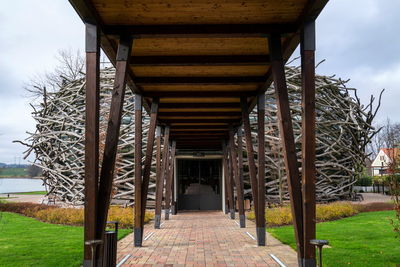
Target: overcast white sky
358	38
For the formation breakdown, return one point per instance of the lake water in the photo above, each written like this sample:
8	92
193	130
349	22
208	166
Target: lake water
12	185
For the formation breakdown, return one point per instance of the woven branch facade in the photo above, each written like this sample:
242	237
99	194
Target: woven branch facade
343	130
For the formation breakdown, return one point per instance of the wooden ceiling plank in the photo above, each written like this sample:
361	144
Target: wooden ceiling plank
200	31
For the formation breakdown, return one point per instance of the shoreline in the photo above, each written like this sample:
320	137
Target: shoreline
19	177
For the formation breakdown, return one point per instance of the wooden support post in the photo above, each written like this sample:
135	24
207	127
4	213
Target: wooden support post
240	186
234	163
250	154
226	200
261	169
91	136
228	180
112	137
173	207
148	156
287	136
169	177
231	183
307	47
138	172
165	161
159	181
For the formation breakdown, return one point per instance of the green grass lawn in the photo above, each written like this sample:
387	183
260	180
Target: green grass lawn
27	242
31	193
13	172
366	239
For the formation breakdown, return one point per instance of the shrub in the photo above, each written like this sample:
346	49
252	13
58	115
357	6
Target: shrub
364	181
69	216
324	212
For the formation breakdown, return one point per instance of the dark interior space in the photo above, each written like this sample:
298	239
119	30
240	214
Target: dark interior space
199	184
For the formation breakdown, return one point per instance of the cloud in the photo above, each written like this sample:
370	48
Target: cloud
29	42
370	80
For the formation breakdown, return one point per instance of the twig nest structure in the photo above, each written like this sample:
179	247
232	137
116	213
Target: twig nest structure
343	130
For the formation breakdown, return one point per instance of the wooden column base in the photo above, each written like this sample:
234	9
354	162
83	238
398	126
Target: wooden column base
232	214
261	236
138	234
157	221
308	263
242	221
167	214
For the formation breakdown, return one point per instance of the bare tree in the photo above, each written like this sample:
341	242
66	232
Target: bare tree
70	67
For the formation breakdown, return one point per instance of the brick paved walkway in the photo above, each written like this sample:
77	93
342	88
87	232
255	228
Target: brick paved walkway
203	239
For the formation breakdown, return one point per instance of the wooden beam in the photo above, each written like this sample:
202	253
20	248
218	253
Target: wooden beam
250	154
200	127
199	105
205	60
261	169
199	30
202	113
199	80
148	156
166	120
287	137
138	172
112	137
308	140
168	185
159	181
91	136
198	94
240	186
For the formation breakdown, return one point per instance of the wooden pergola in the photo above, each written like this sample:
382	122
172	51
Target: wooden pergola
198	68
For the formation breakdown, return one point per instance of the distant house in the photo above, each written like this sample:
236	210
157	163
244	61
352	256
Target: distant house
381	163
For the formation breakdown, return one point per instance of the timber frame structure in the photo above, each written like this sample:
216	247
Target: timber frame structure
199	69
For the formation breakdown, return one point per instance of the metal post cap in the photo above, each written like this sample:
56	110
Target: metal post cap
319	242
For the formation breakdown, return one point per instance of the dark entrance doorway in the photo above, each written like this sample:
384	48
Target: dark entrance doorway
199	184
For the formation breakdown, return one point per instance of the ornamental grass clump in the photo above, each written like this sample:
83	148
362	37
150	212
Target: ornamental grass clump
70	216
278	216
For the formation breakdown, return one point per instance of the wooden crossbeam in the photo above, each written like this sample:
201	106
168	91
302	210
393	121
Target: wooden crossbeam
159	181
205	60
198	94
308	140
202	113
199	137
198	105
112	137
250	154
148	156
199	120
199	127
287	137
91	136
199	80
199	30
138	172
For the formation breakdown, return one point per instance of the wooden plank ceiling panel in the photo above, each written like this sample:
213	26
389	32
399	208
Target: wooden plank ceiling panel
155	12
199	71
200	46
199	57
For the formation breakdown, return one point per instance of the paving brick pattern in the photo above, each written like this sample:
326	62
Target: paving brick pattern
203	239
